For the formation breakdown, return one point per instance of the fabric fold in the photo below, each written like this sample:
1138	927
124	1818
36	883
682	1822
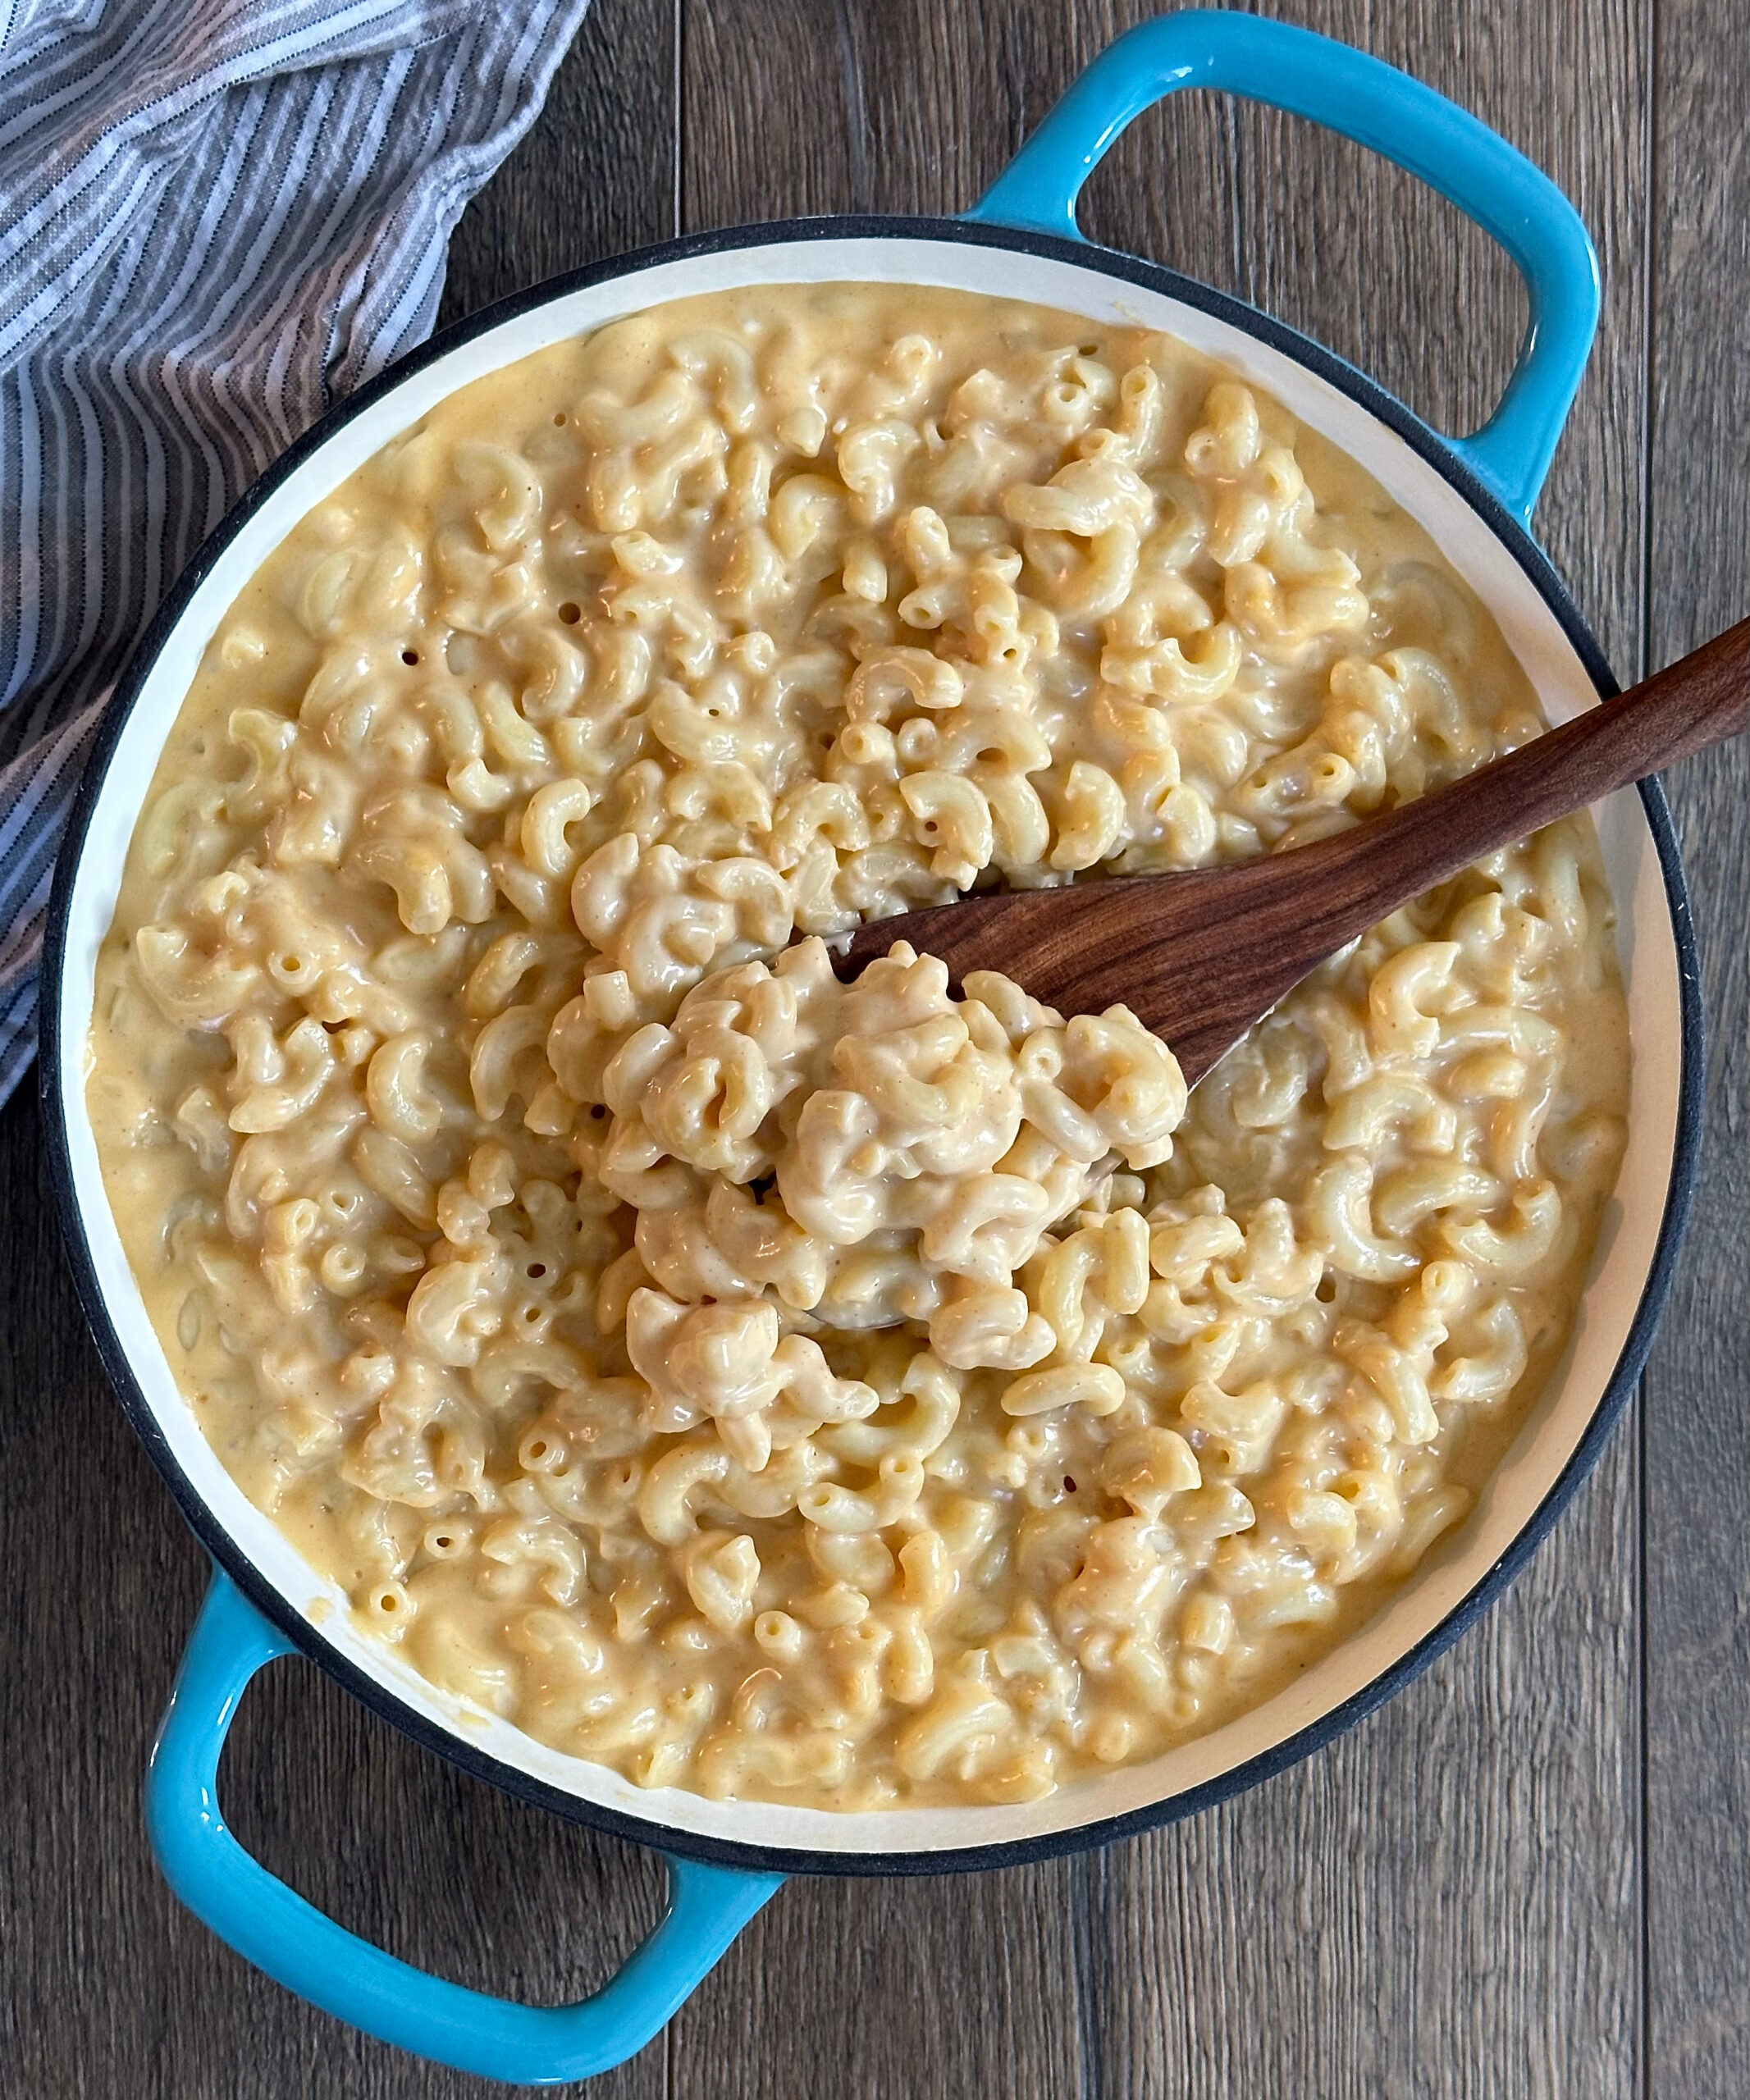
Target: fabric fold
213	227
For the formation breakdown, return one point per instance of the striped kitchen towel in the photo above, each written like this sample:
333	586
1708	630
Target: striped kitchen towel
215	220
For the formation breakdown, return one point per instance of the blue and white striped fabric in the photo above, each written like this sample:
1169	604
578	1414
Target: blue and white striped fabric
215	220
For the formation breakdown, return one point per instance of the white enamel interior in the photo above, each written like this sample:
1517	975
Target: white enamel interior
1627	1244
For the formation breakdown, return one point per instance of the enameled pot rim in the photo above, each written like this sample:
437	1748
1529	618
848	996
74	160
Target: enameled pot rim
308	1637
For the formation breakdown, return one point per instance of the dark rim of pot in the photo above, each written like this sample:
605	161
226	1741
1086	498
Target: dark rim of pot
236	1564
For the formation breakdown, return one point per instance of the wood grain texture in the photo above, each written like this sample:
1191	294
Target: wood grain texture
1697	1453
1435	1906
1448	1901
871	1990
596	174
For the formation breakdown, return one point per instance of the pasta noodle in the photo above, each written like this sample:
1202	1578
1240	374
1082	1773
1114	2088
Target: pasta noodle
885	1393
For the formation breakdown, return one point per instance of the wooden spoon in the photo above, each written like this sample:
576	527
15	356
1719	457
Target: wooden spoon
1199	957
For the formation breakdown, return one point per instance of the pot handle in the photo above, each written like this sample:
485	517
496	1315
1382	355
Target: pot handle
270	1925
1366	100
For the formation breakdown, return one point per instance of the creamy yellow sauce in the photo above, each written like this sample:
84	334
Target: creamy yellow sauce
847	1395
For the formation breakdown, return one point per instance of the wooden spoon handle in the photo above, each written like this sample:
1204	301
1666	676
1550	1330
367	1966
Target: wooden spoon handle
1697	701
1380	864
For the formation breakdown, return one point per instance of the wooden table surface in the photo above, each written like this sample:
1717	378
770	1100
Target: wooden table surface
1530	1873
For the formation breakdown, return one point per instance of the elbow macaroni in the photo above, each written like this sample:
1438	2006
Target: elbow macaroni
864	1393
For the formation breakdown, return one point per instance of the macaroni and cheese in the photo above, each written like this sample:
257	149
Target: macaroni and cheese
847	1394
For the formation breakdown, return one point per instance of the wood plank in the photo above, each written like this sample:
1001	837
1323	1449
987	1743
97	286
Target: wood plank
109	1986
596	174
1697	1455
1448	1897
871	1990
